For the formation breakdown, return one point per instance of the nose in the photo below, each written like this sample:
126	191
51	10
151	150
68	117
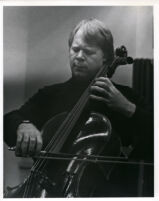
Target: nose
80	55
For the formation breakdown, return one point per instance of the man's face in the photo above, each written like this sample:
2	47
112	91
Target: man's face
85	59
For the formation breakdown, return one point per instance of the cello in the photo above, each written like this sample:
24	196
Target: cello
82	137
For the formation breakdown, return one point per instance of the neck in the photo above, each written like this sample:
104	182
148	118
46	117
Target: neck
80	82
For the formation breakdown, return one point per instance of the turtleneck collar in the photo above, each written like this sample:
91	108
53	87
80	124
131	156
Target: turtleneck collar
83	84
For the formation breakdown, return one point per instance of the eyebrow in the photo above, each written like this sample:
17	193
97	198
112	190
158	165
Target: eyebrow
85	47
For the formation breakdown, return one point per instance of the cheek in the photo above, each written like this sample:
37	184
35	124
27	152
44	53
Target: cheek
96	63
71	58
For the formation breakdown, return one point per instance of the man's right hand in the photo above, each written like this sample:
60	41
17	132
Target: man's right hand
29	140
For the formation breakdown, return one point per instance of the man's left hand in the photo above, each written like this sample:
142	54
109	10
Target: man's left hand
103	90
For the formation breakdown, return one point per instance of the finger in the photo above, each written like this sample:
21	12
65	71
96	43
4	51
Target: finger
32	145
18	144
101	84
38	144
104	79
109	85
24	144
99	90
98	98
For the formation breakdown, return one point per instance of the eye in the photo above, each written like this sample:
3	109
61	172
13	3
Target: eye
88	52
75	49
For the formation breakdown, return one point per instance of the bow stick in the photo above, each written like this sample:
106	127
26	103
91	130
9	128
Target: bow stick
85	158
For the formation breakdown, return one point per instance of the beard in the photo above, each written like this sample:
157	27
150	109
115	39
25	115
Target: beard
82	74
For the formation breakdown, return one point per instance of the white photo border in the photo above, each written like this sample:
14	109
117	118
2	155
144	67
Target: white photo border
155	4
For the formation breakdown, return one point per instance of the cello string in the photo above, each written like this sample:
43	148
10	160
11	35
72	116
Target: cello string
28	186
78	109
87	93
79	105
72	119
52	142
76	112
71	122
56	137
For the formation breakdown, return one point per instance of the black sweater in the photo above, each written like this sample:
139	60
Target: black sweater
58	98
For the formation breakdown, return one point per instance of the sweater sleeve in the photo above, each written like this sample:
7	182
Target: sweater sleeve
139	127
32	110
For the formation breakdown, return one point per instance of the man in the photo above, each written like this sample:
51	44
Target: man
90	49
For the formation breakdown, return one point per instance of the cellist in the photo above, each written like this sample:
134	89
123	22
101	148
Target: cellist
90	48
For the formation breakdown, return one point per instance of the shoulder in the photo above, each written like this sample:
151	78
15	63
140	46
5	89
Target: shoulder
47	93
55	88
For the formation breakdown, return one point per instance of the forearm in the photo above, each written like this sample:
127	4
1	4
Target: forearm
128	109
11	122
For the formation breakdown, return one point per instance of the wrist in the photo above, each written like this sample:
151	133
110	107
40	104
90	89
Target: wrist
25	123
130	110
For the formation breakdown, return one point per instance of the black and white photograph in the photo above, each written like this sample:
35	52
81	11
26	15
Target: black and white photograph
78	101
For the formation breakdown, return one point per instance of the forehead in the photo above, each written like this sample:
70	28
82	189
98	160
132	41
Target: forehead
81	37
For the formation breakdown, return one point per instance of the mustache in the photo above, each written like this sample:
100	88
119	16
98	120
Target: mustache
80	68
79	65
